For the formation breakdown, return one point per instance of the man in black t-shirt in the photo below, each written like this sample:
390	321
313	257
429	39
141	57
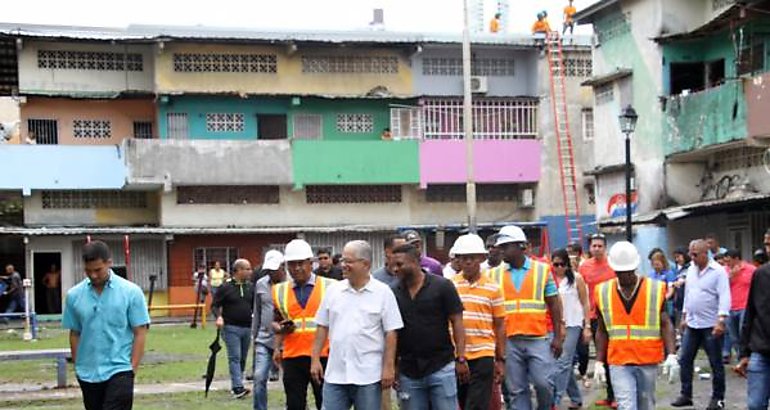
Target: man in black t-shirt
326	266
233	306
428	364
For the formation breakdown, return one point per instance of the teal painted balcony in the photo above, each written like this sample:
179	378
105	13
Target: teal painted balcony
355	162
705	118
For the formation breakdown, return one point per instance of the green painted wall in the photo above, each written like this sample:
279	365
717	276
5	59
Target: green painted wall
355	162
713	116
329	108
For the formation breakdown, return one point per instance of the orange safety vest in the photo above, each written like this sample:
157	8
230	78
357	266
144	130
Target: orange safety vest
525	309
300	342
634	338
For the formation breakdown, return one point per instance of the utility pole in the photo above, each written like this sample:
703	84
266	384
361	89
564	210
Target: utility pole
470	187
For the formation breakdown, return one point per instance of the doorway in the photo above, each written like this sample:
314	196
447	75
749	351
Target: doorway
47	287
271	126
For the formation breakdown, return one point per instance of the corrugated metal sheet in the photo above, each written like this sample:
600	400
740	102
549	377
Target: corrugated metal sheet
147	258
151	33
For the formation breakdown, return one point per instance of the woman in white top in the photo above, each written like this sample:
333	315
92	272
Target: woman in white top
574	299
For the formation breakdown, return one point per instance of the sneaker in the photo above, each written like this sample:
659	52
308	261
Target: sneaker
716	404
607	403
682	401
240	392
273	377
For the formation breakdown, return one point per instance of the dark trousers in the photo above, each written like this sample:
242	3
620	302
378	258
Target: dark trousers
296	376
117	393
610	392
693	340
581	357
475	394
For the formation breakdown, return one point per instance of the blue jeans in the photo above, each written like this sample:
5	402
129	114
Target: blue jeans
563	377
634	386
759	382
529	360
692	341
342	396
436	391
237	341
733	336
263	359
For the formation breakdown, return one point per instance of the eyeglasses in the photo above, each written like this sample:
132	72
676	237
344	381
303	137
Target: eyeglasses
559	264
350	261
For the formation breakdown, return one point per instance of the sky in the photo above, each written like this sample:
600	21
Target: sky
444	16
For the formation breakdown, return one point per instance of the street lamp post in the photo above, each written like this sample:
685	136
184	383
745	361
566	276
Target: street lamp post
627	125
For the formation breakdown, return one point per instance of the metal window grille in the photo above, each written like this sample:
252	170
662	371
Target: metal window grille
492	118
349	64
484	193
92	128
604	94
225	63
588	125
352	194
9	67
738	159
479	66
613	26
43	131
225	122
143	129
406	122
177	126
226	256
91	199
580	66
355	123
89	60
234	194
718	4
147	258
308	126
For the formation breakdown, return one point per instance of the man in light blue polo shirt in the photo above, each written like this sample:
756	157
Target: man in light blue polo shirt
107	318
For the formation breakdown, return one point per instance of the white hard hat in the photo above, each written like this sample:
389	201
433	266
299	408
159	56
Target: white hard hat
624	257
273	260
470	244
297	250
510	233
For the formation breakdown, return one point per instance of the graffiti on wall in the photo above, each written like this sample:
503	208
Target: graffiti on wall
616	206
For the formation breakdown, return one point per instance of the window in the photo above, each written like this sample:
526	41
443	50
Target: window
696	76
406	122
85	199
143	129
89	60
349	65
588	124
308	126
226	256
352	194
718	4
510	118
355	123
752	57
271	126
484	193
225	63
223	194
612	26
578	66
176	126
9	67
92	128
43	131
604	93
479	66
224	122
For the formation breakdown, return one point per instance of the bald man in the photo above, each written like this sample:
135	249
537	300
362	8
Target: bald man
233	307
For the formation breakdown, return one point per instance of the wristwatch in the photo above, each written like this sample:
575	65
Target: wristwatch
461	360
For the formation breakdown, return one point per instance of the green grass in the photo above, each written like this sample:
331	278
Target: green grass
187	401
173	353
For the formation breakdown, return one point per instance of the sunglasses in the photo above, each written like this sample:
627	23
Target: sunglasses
559	264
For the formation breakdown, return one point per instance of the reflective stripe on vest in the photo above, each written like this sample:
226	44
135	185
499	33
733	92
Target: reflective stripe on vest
281	295
537	302
650	329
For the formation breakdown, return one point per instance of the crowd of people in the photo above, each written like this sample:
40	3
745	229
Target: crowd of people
498	326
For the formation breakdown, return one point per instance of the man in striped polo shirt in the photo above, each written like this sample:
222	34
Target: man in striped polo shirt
484	321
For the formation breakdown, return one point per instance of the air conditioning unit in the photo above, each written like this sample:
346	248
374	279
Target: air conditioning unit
527	198
479	84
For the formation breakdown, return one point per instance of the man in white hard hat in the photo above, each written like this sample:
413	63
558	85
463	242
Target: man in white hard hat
634	330
530	293
484	322
297	301
263	327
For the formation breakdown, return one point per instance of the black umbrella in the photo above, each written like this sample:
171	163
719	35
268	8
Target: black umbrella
215	347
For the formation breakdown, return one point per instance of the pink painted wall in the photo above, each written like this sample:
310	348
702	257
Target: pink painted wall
502	161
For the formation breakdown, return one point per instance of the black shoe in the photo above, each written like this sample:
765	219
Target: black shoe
240	393
273	377
715	404
682	401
